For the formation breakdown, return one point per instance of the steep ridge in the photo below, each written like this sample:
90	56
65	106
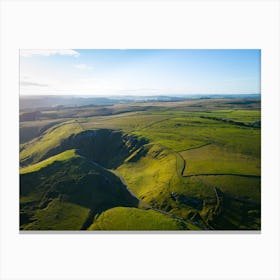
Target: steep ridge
107	147
104	146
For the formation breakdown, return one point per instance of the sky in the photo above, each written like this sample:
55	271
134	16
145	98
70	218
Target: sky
139	72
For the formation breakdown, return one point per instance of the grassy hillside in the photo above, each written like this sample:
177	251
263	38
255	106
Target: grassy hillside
245	116
198	160
156	179
104	146
181	133
60	157
38	148
67	193
226	202
125	218
33	129
213	159
151	176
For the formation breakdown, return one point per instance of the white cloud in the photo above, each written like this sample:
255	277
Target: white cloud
27	83
30	53
91	80
83	66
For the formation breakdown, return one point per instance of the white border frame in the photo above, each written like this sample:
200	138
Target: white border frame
143	24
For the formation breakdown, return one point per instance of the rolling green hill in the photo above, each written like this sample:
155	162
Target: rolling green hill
197	160
69	154
105	146
40	148
126	218
66	191
33	129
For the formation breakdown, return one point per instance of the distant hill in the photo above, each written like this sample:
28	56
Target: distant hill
59	102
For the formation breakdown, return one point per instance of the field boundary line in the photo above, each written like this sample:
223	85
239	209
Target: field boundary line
153	123
197	147
223	174
230	121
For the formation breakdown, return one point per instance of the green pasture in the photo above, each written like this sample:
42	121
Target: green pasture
36	149
126	218
152	176
60	190
59	216
214	159
245	116
180	133
60	157
32	129
127	122
245	188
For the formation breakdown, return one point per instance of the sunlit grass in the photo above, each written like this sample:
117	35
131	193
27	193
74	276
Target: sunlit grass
124	218
213	159
60	157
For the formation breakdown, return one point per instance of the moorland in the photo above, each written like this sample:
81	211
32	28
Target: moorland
172	164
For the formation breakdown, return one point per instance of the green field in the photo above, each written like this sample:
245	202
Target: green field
124	218
37	149
65	191
184	165
213	159
60	157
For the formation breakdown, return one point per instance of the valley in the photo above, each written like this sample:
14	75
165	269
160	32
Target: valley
187	164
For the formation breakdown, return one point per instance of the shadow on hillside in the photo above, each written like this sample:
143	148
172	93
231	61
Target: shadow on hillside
76	181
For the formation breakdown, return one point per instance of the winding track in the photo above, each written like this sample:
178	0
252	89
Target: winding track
145	205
